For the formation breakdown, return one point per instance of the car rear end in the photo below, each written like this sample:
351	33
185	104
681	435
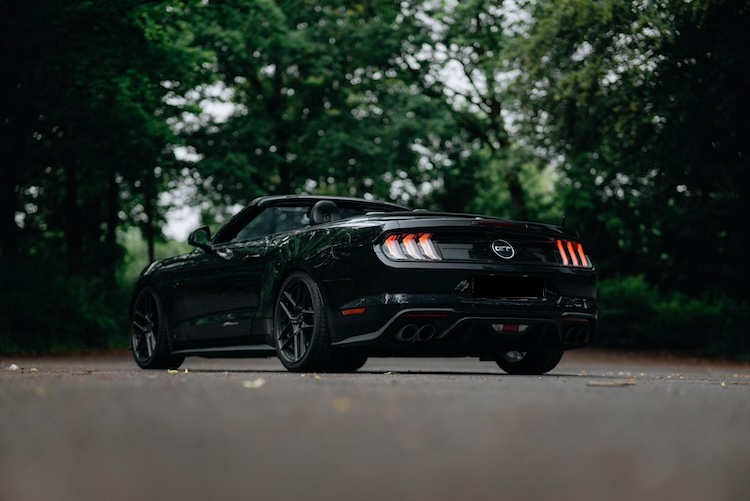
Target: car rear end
451	285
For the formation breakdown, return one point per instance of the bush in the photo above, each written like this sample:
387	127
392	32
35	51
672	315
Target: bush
635	315
46	310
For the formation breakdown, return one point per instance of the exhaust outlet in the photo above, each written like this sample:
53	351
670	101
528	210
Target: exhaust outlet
426	332
408	332
570	336
575	336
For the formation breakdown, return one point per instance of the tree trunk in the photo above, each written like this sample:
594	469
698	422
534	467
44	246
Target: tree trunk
73	226
110	237
517	195
13	163
9	186
148	207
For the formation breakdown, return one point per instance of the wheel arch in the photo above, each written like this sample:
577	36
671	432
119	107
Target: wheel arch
277	281
166	303
162	356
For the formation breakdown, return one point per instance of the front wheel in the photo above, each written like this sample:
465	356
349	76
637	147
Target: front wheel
529	362
300	326
149	338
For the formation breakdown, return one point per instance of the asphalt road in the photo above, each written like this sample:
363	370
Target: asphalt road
599	427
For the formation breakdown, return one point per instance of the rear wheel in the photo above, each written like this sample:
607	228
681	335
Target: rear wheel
529	362
149	337
346	361
303	342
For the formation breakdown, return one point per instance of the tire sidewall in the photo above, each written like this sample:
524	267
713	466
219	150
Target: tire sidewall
161	356
533	363
318	350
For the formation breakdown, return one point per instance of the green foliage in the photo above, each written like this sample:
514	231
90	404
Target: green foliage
492	195
46	311
646	102
322	103
627	118
137	258
635	315
86	149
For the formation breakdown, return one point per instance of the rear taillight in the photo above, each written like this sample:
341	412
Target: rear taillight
571	254
411	247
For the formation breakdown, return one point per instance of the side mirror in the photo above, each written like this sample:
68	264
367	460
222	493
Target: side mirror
201	238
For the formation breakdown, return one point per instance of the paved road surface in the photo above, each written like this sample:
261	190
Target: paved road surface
599	427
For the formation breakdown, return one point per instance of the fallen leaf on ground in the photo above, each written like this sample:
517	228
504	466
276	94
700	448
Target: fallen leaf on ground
172	371
38	391
257	383
342	404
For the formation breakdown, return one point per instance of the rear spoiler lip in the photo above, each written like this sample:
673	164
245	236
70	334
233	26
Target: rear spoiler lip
434	222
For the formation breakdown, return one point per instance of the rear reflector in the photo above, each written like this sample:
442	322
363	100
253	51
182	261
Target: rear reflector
509	327
353	311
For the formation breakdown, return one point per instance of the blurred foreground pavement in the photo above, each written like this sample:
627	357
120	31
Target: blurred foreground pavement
601	425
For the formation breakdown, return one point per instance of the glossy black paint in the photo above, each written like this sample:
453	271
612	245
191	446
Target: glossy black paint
219	300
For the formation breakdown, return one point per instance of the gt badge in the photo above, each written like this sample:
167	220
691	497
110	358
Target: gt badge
503	249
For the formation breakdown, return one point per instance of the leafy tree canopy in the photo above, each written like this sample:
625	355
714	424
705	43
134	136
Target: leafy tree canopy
647	103
324	99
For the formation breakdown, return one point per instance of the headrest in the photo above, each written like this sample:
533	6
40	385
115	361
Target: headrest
324	211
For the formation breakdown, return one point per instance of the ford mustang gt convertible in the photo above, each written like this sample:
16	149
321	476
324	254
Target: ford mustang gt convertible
323	283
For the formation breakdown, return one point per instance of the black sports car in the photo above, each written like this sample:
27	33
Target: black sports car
325	282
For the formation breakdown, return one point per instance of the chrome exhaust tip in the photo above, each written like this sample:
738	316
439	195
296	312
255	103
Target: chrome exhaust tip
426	332
408	332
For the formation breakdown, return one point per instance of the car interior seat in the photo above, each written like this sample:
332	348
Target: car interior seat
324	211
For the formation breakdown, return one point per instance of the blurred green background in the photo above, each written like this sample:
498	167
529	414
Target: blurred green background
626	119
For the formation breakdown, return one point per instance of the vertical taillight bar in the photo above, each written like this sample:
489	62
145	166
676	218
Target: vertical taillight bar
425	242
584	260
563	254
409	242
411	247
393	248
572	254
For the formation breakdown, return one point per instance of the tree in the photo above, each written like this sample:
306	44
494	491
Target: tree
464	63
646	103
324	101
83	135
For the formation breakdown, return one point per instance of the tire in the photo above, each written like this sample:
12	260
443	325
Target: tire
149	333
300	326
345	361
530	362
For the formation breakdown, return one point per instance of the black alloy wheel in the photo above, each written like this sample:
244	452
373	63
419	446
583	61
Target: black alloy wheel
303	343
149	334
529	362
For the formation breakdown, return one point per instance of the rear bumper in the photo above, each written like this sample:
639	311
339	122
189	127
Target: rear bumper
446	325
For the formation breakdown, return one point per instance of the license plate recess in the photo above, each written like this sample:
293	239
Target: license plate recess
505	287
